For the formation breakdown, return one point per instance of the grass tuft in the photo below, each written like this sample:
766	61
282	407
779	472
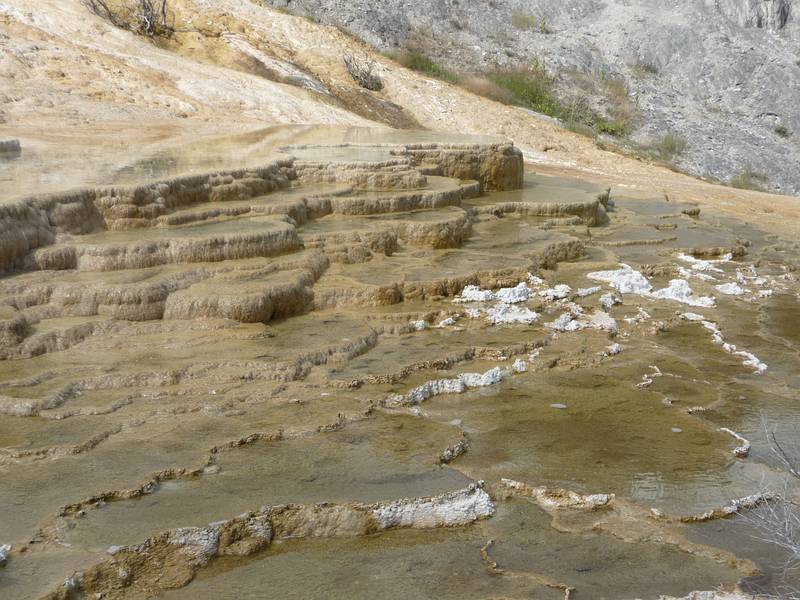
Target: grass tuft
644	68
528	22
750	179
417	61
783	131
671	146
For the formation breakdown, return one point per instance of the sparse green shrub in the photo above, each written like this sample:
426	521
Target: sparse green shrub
524	21
644	68
577	114
622	112
419	62
531	88
671	146
580	128
749	179
666	148
613	127
782	130
529	22
483	86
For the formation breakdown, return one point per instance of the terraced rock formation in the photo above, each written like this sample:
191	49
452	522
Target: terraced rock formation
388	353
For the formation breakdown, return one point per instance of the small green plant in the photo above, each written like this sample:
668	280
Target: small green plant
530	87
417	61
528	22
782	130
579	127
670	146
644	68
749	179
617	128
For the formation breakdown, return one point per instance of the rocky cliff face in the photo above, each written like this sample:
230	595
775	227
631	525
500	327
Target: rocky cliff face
763	14
722	74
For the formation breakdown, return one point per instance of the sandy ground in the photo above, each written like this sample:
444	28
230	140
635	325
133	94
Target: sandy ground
75	85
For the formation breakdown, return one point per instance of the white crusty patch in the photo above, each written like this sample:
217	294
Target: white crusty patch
199	542
625	280
534	280
698	264
730	289
648	378
513	295
608	300
565	322
583	292
472	293
520	293
641	315
507	314
575	322
558	292
447	510
690	316
680	291
688	273
604	321
456	385
750	359
743	449
558	499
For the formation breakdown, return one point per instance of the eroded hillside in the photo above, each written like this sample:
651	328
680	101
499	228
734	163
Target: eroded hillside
722	76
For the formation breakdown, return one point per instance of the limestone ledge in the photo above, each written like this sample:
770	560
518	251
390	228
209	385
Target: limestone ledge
179	554
497	167
591	213
31	223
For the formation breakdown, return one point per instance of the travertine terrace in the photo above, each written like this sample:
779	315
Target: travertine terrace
403	367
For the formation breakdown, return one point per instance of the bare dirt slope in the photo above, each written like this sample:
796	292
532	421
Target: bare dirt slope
70	80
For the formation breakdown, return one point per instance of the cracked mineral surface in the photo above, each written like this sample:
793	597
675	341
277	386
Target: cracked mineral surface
386	364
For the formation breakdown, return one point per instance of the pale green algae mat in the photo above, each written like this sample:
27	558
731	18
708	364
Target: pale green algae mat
384	365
